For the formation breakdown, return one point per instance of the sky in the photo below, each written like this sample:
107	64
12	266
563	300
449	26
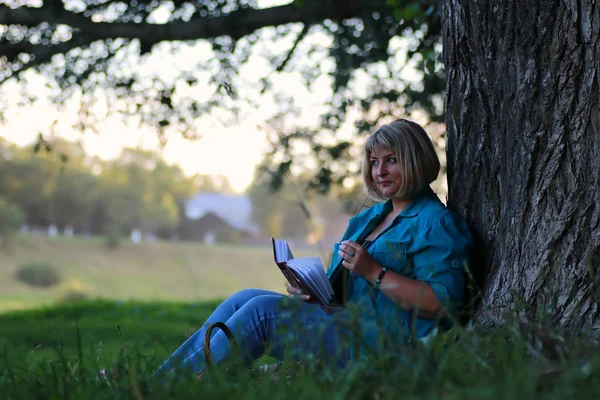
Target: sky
232	151
201	156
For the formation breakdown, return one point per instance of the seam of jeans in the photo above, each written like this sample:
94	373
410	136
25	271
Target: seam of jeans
261	320
245	337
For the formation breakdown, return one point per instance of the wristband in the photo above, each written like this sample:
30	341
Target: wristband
380	277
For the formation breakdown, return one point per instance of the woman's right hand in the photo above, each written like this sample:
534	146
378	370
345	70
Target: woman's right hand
297	293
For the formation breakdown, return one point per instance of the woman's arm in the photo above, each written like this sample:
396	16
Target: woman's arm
410	294
439	270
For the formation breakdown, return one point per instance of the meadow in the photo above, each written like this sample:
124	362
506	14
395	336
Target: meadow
53	350
55	353
150	271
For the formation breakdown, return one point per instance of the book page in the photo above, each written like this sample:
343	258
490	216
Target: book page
326	285
311	272
302	268
319	275
282	250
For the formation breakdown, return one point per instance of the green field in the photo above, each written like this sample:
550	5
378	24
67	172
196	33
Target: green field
152	271
53	351
103	328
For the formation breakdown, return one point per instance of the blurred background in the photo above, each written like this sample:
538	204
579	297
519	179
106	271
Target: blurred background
154	168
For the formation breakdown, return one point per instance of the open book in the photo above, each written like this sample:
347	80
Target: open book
306	273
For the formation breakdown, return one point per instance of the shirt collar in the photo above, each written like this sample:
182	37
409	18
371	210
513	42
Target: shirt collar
414	207
418	203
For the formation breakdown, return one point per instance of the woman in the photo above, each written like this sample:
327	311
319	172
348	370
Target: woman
400	268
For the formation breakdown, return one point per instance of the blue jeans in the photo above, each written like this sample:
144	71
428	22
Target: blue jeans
266	321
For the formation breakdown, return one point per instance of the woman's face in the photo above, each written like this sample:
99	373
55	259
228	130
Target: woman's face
385	171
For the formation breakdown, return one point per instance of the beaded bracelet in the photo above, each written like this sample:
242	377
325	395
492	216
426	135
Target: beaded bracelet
380	277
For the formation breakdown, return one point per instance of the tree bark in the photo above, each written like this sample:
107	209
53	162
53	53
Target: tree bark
524	151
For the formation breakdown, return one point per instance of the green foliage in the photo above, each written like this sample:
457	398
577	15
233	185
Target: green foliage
279	213
357	38
28	181
365	43
38	274
69	344
294	211
12	218
139	190
73	196
113	238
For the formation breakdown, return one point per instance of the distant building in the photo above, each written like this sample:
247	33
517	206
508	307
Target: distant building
136	236
218	217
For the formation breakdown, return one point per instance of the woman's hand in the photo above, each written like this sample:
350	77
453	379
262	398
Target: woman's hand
297	293
356	259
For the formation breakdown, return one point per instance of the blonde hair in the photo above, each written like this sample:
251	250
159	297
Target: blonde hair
416	156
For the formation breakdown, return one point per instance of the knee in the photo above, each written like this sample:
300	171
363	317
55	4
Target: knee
243	296
268	303
244	293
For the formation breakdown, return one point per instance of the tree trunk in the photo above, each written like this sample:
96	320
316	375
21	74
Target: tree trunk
524	152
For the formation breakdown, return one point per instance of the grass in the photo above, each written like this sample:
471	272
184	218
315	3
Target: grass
162	292
55	353
105	326
147	272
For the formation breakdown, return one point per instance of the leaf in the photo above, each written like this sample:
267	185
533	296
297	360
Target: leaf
399	14
284	167
411	11
166	100
337	150
430	66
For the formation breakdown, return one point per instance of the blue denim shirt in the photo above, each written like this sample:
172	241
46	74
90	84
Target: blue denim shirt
426	242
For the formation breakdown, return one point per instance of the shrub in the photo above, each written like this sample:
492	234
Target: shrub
74	290
11	218
38	274
113	238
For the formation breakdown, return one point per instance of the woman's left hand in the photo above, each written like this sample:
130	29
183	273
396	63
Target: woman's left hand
356	259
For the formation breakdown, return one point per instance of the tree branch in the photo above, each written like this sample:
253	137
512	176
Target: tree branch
11	50
293	49
236	24
42	54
